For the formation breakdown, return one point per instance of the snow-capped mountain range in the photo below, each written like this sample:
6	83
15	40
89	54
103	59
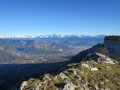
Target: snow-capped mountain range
50	36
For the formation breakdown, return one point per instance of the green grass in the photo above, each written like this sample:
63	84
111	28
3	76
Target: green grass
108	76
31	83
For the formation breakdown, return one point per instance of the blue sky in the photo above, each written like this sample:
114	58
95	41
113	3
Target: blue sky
36	17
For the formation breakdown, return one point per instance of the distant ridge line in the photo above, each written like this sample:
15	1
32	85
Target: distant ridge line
50	36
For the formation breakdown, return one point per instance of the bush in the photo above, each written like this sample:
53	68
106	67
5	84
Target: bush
66	72
33	82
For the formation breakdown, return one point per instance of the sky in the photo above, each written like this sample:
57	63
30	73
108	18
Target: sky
78	17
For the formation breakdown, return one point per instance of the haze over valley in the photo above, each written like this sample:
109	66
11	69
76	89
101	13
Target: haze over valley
35	50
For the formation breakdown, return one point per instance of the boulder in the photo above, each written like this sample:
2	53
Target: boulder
85	65
94	69
69	86
23	85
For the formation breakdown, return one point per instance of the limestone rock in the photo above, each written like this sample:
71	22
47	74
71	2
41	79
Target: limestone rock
23	85
94	69
112	44
62	75
69	86
85	65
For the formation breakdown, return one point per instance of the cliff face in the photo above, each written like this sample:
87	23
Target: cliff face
112	44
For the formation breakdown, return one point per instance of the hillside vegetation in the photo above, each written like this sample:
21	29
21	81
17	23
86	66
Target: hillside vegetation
95	72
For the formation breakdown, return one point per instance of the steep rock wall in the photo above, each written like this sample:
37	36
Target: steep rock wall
112	44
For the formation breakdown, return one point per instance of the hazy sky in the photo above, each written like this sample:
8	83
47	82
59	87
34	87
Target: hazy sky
36	17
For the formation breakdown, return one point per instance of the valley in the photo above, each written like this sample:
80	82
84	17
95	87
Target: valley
31	51
23	50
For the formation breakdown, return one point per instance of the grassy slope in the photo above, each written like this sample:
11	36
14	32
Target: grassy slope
107	77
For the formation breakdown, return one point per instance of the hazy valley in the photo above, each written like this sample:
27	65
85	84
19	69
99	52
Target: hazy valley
35	50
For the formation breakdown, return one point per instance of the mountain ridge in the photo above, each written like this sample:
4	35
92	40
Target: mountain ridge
50	36
67	40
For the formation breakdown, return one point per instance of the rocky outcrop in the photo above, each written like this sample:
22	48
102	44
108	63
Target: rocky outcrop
23	85
112	44
69	86
110	47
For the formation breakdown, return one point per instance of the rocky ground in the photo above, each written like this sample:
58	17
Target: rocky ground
95	72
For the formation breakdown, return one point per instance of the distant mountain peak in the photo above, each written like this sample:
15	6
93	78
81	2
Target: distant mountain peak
49	36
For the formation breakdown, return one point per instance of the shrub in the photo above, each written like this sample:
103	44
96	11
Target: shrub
66	72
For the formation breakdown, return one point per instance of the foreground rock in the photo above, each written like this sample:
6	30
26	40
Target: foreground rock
25	83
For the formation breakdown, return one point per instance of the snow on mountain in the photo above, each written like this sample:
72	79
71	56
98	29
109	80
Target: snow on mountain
19	36
50	36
